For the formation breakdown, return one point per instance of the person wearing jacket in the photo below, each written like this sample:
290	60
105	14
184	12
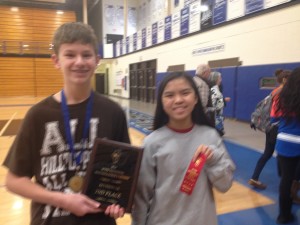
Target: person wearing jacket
271	134
286	111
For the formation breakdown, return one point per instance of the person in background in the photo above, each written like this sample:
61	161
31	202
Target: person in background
217	100
281	77
184	158
286	111
201	79
226	99
48	158
296	186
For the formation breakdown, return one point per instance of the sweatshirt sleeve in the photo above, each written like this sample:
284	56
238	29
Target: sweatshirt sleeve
145	188
220	169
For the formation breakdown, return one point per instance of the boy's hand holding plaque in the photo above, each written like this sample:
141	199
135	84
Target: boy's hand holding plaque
112	173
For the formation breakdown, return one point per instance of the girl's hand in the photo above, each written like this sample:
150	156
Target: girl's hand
205	150
115	211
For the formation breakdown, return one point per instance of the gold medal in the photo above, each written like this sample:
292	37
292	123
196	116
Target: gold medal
75	183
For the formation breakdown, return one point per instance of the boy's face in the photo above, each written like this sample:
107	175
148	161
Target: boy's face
77	62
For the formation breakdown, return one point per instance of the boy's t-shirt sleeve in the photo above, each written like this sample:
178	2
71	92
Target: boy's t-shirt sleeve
19	159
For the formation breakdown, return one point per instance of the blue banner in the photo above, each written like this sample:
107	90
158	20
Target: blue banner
144	34
127	45
121	47
254	5
219	12
184	21
168	27
134	41
154	33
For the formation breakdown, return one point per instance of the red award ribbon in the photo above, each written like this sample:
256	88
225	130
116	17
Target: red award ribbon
192	174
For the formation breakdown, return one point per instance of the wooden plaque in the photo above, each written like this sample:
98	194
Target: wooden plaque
112	173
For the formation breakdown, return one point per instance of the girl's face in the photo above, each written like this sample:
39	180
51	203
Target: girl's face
77	62
178	100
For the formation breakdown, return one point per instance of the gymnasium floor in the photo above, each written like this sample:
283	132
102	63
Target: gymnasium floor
241	205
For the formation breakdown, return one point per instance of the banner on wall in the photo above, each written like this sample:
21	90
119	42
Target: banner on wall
139	40
154	34
131	40
168	28
144	36
176	25
130	43
119	16
271	3
253	6
219	11
127	44
188	2
134	44
184	21
206	16
124	46
160	31
235	9
143	15
132	20
118	48
109	15
194	17
149	36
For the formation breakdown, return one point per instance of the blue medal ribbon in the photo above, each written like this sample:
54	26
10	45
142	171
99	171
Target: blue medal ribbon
66	115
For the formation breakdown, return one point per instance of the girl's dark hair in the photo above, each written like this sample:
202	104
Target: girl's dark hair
161	118
281	74
289	101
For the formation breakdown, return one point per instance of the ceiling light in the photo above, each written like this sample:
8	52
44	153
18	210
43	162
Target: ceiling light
203	8
14	9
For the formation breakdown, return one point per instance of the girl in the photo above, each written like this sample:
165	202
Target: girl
169	191
286	110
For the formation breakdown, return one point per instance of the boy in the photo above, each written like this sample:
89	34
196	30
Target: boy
54	143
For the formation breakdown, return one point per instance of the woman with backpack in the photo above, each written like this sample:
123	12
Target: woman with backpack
271	133
286	111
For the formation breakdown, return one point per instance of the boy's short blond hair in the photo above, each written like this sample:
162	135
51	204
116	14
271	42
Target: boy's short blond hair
74	32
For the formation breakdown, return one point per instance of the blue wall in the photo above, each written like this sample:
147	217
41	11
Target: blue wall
242	85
